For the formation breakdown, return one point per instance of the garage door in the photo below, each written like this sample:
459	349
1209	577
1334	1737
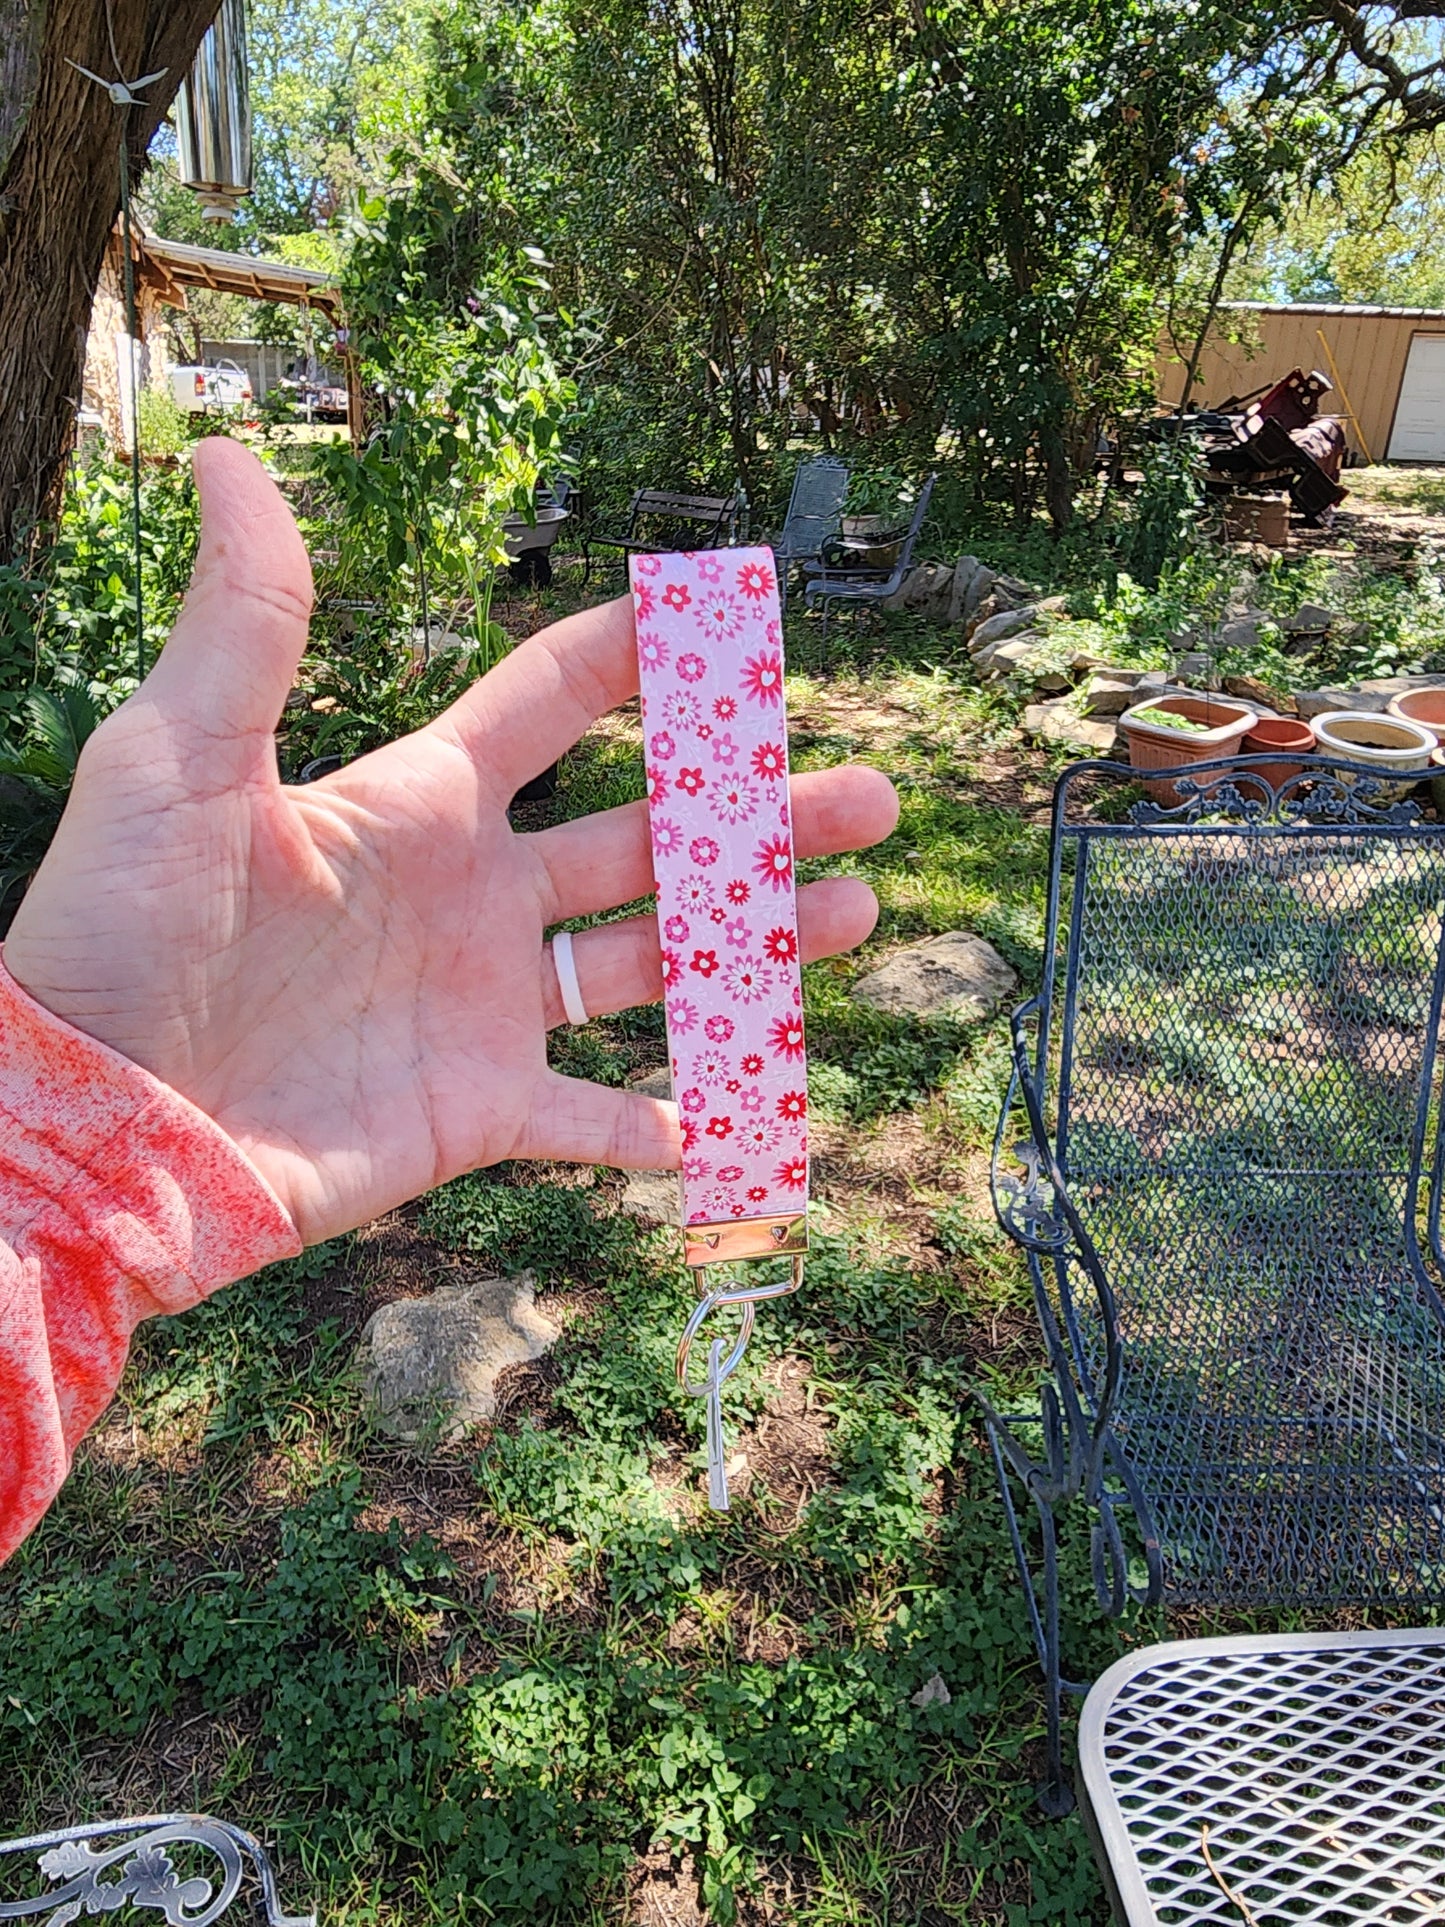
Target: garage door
1419	431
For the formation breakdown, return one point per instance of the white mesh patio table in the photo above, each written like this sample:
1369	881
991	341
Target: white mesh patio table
1254	1781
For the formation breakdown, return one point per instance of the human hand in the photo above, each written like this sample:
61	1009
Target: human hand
350	977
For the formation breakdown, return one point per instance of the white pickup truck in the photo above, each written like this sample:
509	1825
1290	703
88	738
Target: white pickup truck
205	391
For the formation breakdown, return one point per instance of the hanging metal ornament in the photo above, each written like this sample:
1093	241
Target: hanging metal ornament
126	94
213	117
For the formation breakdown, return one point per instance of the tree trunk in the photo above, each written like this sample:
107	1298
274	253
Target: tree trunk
59	197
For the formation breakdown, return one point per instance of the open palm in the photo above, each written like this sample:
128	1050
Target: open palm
351	978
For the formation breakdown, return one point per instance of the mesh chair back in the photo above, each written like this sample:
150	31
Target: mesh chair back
815	508
1245	1073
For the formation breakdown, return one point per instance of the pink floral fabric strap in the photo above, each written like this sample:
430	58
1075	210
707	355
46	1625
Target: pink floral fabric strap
709	642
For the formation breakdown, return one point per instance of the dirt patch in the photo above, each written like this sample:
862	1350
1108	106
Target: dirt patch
787	1449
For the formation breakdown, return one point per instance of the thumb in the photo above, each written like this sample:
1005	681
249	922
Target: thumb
232	655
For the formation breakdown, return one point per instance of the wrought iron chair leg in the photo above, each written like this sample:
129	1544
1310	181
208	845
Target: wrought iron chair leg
1056	1794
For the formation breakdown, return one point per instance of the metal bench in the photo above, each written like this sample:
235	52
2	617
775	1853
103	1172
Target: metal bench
659	518
187	1866
1230	1201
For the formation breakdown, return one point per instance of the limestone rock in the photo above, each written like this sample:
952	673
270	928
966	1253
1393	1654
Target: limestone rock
980	589
933	1692
955	975
1110	692
1053	605
1010	587
1310	618
1240	633
998	628
1392	686
964	571
925	584
1060	724
430	1365
444	642
1195	665
652	1195
655	1084
1320	702
1011	655
1260	695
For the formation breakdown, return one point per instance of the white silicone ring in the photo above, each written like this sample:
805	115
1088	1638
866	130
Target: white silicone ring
565	965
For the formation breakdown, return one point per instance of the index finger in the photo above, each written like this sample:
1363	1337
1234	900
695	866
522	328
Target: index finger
540	698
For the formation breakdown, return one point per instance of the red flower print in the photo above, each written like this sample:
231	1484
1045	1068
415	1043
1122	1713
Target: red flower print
793	1104
652	652
703	850
680	710
662	746
690	667
738	891
666	837
792	1172
785	1038
692	1099
755	581
737	1210
695	1169
676	930
725	708
719	1127
775	635
647	564
689	1133
719	1029
781	945
690	780
705	963
729	1173
681	1016
646	601
756	1193
694	893
656	780
773	862
768	762
717	915
677	596
751	1065
704	730
733	1086
763	679
671	968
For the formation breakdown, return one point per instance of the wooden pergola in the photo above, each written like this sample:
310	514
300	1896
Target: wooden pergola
169	268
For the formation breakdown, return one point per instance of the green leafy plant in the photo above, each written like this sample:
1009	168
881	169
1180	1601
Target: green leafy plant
36	774
1170	719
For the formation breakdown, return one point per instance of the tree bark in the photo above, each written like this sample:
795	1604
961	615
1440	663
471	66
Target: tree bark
59	197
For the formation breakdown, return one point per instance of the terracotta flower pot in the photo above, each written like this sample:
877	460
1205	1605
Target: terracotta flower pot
1424	706
1156	746
1277	733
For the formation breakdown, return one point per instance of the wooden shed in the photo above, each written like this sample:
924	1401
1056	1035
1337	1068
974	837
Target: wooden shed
1387	366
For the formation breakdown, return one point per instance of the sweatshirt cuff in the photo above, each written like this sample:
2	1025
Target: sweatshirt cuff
99	1156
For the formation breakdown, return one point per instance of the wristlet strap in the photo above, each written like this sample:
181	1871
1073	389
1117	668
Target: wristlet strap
709	645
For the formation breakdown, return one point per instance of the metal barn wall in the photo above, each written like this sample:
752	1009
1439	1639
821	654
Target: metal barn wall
1370	347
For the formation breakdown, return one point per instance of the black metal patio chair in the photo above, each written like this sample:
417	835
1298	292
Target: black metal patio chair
815	513
828	585
1230	1201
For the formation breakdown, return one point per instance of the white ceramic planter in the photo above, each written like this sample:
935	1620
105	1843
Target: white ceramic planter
1393	745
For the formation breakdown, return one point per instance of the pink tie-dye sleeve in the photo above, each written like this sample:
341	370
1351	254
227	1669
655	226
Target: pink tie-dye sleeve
119	1200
